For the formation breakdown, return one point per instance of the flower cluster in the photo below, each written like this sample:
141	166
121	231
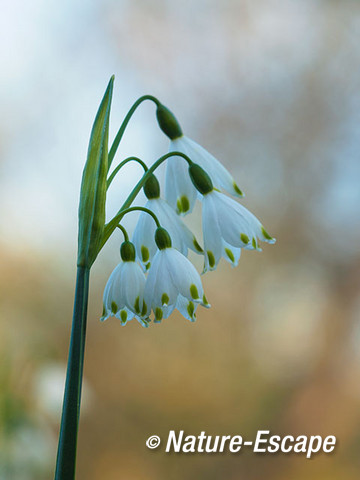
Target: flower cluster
155	276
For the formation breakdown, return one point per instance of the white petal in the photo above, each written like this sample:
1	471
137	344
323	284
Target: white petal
106	295
234	225
125	285
112	294
266	237
220	177
246	214
143	322
133	281
166	312
179	189
212	233
231	254
184	275
181	236
151	281
238	226
187	308
124	315
165	292
172	274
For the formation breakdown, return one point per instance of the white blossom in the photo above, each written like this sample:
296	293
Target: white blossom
143	237
173	282
124	294
227	228
179	190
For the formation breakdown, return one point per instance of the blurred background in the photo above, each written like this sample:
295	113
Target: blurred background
271	88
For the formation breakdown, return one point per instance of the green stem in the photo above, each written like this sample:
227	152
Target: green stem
141	209
126	236
121	164
66	456
110	227
124	124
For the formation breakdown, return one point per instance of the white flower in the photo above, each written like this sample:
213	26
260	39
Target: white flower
228	227
143	237
124	293
179	190
173	282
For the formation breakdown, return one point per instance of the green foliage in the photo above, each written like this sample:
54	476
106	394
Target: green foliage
93	185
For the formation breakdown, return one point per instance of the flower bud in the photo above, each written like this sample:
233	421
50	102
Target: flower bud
168	123
162	238
200	179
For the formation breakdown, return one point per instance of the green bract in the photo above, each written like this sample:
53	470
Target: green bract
93	185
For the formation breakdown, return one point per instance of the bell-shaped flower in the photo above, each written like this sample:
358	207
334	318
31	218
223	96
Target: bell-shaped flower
124	291
144	233
172	282
227	226
179	191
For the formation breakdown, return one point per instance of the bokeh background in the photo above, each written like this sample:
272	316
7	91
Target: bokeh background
271	88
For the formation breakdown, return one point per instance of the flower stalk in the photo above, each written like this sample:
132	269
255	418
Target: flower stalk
66	456
124	124
110	226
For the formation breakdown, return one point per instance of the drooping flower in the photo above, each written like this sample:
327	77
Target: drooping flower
124	292
179	191
172	282
227	225
178	187
144	233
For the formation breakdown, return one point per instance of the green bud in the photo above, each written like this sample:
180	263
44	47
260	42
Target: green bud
162	238
127	251
200	179
93	186
168	123
152	187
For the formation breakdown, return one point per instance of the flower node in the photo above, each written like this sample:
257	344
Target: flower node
168	123
152	187
127	251
200	179
162	238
